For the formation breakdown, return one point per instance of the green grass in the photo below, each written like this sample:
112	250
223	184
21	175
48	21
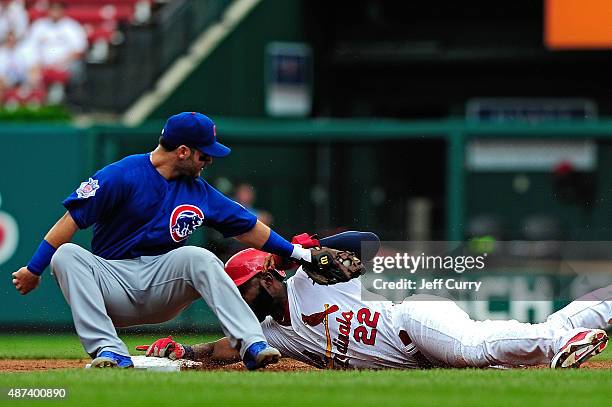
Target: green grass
325	388
66	346
317	388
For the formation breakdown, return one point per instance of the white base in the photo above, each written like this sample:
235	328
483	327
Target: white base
160	364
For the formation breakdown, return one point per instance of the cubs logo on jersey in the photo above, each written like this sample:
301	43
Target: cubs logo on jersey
185	219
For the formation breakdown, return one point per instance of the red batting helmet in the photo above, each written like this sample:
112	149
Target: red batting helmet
245	264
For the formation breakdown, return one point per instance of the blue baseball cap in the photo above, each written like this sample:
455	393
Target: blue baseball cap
194	130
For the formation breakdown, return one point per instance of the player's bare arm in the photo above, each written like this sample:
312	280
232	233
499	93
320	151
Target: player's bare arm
24	279
256	237
218	352
62	232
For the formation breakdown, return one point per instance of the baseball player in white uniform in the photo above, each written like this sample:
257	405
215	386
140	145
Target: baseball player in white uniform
332	327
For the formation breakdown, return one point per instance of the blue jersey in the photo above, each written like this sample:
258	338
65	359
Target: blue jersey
137	212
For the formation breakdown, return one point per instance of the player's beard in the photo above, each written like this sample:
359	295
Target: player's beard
190	168
263	305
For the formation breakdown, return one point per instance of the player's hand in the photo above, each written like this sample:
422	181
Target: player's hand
164	348
273	262
25	281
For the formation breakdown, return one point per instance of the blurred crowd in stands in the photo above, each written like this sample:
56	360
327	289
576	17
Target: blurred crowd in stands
44	44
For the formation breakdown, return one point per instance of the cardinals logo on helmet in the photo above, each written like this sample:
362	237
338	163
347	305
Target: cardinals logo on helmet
185	219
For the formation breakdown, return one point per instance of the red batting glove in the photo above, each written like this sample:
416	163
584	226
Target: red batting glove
307	241
164	348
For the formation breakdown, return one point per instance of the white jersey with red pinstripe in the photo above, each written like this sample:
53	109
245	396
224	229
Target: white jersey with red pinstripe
331	327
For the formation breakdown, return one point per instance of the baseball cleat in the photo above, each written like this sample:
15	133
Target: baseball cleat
112	359
580	348
260	354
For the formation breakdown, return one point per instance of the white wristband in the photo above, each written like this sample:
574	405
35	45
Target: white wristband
299	253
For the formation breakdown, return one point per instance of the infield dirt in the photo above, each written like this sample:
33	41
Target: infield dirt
29	365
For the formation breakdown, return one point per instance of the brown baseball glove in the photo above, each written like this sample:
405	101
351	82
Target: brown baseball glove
330	266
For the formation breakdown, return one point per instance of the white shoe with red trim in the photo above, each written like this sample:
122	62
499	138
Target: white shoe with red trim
580	348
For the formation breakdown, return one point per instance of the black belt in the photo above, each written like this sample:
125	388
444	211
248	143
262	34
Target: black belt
421	360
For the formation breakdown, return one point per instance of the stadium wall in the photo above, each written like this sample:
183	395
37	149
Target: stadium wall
328	169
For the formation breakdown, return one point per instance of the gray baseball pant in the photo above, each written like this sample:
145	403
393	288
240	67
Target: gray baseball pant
104	294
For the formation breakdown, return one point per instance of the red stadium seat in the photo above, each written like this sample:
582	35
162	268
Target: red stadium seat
102	2
90	11
102	31
35	13
51	75
69	3
19	96
96	14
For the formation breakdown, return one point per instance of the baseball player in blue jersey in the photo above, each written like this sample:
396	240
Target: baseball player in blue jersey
139	271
